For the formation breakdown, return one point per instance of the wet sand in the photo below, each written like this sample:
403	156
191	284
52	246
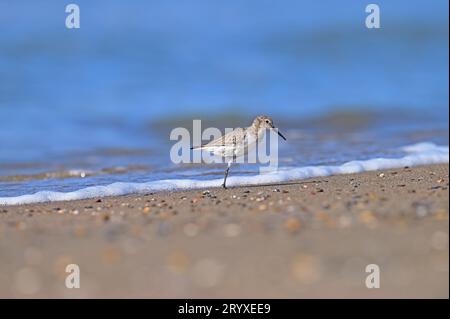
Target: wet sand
313	238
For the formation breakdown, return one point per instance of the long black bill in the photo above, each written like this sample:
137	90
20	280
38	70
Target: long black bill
281	135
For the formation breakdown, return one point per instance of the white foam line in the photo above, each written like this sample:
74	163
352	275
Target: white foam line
417	154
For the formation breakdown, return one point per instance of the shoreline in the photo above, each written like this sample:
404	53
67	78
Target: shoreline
310	238
415	155
138	195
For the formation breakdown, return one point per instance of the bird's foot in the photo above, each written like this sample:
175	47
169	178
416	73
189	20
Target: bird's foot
224	186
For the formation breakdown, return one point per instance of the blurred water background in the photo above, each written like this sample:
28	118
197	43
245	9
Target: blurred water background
96	105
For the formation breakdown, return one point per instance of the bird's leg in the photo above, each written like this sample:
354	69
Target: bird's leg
226	175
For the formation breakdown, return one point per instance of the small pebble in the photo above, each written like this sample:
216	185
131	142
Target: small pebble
191	229
421	210
292	225
232	230
367	217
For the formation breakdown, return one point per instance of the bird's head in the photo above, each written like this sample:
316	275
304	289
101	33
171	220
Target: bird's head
266	122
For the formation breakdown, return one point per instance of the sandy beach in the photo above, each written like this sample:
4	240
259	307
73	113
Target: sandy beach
306	239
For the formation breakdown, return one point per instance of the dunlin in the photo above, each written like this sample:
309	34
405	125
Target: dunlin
239	141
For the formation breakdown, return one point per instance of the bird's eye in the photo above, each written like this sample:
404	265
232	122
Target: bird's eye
267	121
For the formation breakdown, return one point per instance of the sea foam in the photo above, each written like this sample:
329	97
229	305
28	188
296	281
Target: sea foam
414	155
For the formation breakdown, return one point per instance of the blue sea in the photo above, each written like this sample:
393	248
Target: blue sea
93	106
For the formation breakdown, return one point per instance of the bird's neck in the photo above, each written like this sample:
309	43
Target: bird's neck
257	130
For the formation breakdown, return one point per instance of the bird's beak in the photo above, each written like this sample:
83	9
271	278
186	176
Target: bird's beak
281	135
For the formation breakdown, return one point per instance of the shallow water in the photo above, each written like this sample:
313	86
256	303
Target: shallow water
325	142
413	155
96	105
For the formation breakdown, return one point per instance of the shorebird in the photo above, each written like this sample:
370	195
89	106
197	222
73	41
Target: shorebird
239	141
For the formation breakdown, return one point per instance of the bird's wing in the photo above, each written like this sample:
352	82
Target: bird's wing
228	140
